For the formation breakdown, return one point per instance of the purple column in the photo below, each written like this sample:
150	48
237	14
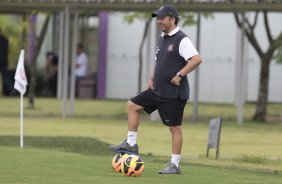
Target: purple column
102	54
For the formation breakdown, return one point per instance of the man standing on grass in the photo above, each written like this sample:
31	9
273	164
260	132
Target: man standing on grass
168	88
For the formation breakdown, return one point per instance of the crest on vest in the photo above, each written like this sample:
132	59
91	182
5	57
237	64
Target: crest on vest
157	52
170	47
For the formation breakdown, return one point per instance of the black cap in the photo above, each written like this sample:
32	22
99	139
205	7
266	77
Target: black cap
165	11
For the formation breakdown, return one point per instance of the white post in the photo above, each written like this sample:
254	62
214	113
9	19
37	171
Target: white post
66	63
73	59
196	81
241	73
61	55
21	133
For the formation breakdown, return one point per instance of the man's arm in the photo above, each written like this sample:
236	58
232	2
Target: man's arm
189	67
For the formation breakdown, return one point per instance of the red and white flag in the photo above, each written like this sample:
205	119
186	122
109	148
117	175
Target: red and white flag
20	76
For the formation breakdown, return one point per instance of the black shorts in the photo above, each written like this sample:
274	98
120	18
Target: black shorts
170	109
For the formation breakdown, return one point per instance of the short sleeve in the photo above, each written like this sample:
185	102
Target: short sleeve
187	49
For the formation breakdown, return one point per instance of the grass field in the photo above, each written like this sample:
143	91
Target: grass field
75	150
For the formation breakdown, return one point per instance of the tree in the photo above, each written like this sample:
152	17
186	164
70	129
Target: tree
147	24
265	57
35	45
129	18
278	55
12	27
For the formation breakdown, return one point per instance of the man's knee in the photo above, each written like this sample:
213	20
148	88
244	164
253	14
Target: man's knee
175	129
132	106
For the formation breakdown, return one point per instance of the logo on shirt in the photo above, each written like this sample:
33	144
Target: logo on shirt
170	47
158	50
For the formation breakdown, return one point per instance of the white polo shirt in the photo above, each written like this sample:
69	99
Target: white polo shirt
82	62
186	47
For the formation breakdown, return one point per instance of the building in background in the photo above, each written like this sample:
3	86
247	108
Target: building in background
218	48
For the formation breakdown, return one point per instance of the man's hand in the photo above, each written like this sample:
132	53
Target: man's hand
176	80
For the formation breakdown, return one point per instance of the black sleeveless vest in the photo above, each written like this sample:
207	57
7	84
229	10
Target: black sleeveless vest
168	63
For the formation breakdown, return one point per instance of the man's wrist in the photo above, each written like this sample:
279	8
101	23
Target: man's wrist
180	75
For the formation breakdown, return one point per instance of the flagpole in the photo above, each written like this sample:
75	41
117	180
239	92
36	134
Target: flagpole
20	86
21	136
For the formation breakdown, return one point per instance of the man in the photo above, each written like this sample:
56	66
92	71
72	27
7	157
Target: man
4	49
81	65
168	88
52	72
81	62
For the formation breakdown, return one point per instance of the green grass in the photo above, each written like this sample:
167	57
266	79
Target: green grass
75	150
51	107
31	165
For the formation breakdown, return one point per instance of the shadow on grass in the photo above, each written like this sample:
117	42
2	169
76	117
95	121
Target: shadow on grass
92	146
81	145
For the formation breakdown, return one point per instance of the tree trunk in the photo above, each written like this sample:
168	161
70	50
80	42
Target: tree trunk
31	56
265	58
140	68
261	107
35	53
32	86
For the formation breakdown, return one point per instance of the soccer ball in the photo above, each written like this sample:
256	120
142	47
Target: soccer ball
132	165
117	160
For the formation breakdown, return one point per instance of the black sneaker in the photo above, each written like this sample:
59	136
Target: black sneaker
170	168
124	147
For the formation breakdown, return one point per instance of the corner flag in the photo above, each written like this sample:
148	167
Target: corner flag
20	85
20	76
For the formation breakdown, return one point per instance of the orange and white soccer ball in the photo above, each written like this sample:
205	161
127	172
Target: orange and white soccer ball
132	165
117	160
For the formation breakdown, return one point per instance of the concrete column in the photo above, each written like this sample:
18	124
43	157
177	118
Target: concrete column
73	59
61	54
65	85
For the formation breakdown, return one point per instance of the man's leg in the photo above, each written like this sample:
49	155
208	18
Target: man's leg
176	143
133	116
133	122
176	139
134	106
130	146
